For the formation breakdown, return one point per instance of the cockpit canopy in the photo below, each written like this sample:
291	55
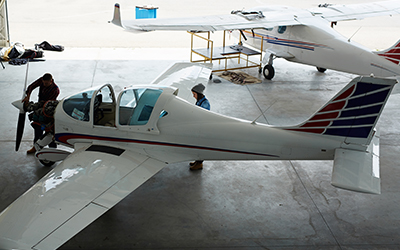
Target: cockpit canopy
135	107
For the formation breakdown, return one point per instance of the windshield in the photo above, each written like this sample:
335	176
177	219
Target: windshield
136	105
78	106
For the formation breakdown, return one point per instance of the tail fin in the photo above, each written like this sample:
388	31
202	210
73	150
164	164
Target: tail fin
392	54
353	113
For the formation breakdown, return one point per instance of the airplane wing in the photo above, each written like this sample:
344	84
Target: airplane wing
184	76
234	21
262	17
334	13
75	193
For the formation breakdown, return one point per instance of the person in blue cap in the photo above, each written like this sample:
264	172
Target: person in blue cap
201	101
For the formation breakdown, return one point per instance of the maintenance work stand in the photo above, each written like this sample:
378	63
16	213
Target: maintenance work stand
225	53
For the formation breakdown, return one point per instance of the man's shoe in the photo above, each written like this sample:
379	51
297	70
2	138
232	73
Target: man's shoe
197	166
192	163
31	151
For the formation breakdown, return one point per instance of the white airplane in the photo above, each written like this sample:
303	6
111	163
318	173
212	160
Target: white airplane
121	141
297	35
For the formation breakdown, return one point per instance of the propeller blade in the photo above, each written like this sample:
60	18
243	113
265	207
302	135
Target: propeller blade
20	129
21	119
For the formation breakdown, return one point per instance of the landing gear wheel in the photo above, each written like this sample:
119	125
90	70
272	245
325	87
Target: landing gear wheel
322	70
47	163
269	71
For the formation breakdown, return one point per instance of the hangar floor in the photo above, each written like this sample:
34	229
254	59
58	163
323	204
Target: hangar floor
229	204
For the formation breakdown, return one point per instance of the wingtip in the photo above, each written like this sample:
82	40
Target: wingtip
117	15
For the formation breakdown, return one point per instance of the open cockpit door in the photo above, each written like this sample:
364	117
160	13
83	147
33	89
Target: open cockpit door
83	108
103	106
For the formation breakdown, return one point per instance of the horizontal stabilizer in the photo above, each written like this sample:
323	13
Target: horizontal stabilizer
357	170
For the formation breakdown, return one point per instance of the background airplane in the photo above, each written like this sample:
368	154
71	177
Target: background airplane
297	35
120	142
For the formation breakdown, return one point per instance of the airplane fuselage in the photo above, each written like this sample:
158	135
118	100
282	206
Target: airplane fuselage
319	45
188	132
299	35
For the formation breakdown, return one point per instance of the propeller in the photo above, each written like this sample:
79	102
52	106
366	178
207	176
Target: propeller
21	118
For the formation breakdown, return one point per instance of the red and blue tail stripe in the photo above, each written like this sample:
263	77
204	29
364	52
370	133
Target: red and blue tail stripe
392	54
353	112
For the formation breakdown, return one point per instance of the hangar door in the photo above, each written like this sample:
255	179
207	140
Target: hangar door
4	35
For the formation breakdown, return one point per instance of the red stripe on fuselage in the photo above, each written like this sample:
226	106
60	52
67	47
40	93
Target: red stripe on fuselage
64	138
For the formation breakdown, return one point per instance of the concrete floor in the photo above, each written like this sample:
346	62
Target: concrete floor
227	205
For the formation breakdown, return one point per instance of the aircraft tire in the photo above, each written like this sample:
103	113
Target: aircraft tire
269	71
322	70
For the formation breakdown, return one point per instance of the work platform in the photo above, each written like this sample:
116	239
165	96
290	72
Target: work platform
225	53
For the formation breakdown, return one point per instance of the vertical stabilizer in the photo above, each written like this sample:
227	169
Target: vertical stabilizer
352	114
392	54
351	117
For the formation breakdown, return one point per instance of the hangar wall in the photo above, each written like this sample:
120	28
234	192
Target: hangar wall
4	34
